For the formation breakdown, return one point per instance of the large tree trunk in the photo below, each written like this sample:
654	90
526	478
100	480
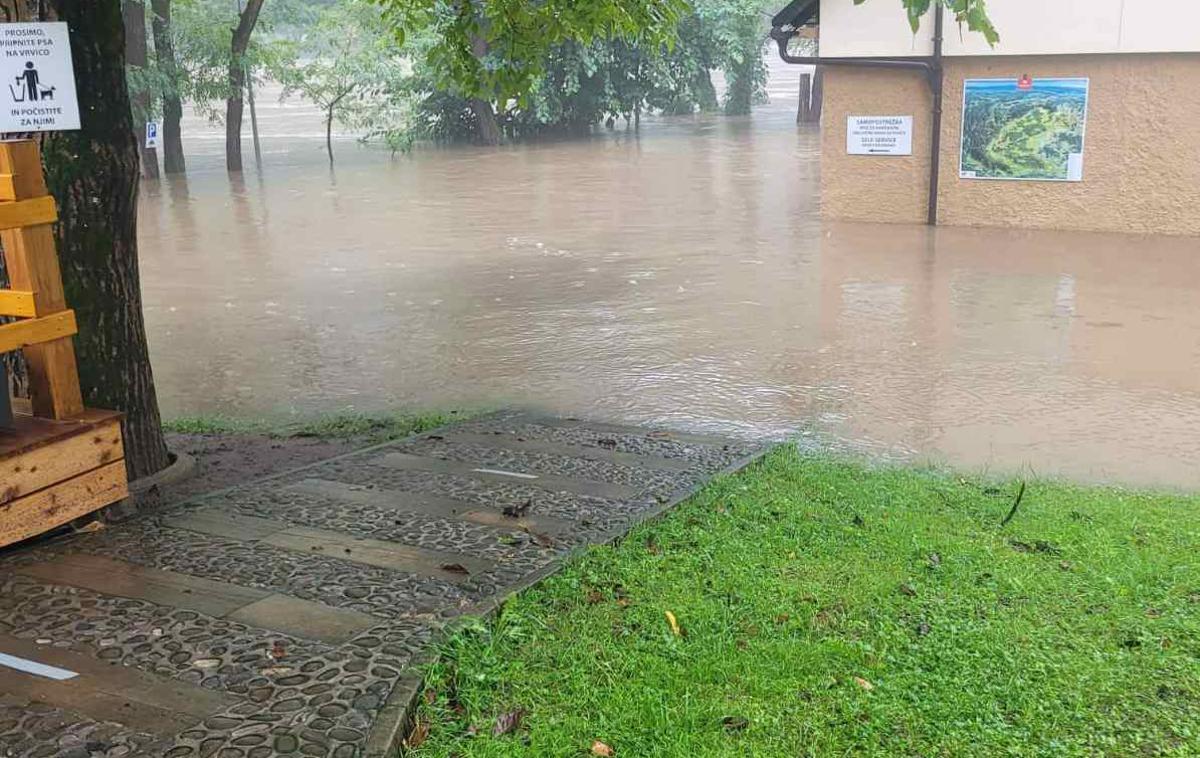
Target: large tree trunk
136	57
164	52
804	109
237	84
93	174
487	126
818	95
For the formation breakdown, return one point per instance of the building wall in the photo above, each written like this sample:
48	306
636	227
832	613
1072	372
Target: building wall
1141	169
1026	27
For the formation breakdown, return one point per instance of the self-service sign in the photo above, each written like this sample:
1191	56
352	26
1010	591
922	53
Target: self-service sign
879	135
37	93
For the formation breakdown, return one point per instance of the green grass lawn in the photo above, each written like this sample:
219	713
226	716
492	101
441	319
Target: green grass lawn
830	607
365	427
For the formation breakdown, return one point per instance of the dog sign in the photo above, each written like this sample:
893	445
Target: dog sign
37	93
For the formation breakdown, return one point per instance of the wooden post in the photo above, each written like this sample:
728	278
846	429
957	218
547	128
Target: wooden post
31	258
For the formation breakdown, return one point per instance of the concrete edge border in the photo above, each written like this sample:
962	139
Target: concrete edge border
181	469
398	716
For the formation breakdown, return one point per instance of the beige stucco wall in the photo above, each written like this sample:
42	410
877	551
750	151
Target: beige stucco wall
1141	169
1026	27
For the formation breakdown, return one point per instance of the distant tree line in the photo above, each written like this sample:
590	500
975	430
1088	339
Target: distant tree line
400	72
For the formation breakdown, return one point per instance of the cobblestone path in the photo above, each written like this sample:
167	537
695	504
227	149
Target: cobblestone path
281	618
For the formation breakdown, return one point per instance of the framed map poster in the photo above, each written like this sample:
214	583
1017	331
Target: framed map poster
1023	129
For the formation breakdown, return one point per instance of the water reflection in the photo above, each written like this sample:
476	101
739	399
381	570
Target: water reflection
677	277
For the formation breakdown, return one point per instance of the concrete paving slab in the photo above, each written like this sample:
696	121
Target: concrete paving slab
490	474
439	507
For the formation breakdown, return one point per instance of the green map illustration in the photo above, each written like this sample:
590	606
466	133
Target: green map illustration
1032	132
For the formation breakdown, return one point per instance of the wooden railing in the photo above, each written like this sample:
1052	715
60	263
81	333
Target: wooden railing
45	324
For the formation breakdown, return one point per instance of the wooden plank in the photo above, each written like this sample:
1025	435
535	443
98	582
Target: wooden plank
22	159
33	212
390	555
609	490
304	618
8	187
25	473
17	303
31	258
35	331
106	692
122	579
431	505
62	503
30	433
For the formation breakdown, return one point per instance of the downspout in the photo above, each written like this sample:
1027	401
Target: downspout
930	67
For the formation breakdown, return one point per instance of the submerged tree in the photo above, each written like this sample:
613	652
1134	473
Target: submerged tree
348	65
490	52
169	75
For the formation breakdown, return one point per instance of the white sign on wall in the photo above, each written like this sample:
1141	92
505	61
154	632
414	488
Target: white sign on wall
37	93
879	135
151	134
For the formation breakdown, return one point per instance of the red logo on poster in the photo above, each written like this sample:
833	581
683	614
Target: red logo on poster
1025	82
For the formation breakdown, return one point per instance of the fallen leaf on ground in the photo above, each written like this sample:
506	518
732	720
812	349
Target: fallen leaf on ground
735	723
863	683
543	540
1064	565
418	735
783	618
430	697
601	749
507	722
935	560
675	630
907	589
595	597
456	568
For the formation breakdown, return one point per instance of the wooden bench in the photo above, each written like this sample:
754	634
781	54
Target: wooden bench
59	461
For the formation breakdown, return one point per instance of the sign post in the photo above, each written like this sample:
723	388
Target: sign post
879	135
37	91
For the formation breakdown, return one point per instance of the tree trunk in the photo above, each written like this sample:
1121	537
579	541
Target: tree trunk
134	15
237	84
804	108
486	125
818	95
164	50
93	174
329	133
488	128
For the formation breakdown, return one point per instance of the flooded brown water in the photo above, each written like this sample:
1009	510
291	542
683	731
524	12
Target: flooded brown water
679	277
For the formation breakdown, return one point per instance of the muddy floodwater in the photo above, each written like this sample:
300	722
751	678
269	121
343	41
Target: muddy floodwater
680	277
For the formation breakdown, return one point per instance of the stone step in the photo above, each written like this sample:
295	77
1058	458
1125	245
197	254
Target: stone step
408	462
339	545
104	692
433	505
514	441
246	605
